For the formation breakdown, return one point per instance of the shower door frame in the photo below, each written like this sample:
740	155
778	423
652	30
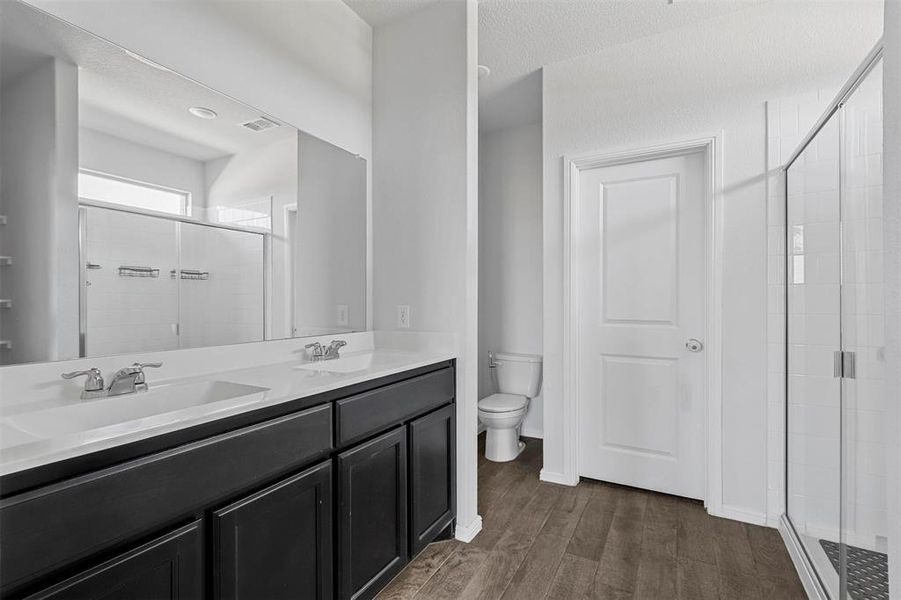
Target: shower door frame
810	577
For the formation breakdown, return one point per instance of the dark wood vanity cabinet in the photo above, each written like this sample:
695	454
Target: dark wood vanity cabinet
396	494
319	498
276	543
433	490
372	514
167	568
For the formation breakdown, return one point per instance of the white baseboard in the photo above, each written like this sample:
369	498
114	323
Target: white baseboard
740	514
558	478
808	577
467	533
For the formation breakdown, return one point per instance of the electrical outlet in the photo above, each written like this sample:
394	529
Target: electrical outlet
403	316
341	317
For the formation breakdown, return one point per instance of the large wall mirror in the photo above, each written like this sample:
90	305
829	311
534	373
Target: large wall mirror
141	211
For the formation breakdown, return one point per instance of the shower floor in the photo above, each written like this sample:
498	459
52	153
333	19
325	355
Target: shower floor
867	571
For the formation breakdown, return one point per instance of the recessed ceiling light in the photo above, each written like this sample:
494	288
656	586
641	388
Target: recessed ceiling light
484	71
147	61
203	113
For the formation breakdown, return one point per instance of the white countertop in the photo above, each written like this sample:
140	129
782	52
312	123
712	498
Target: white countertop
284	381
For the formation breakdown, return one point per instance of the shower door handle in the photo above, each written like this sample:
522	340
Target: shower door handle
849	365
844	364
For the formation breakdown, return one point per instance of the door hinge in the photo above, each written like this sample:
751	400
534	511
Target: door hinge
844	364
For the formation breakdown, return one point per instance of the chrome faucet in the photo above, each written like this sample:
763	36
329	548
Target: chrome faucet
129	380
319	352
93	385
332	352
316	351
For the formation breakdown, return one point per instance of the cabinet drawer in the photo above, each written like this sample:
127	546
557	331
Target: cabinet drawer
47	528
365	414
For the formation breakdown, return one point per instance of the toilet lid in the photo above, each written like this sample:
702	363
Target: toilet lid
502	403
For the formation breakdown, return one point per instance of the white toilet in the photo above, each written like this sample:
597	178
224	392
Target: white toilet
518	381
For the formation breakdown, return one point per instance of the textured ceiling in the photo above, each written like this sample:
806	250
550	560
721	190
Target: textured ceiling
122	96
379	12
615	41
516	38
668	85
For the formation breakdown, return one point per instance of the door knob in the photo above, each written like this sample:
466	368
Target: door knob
694	345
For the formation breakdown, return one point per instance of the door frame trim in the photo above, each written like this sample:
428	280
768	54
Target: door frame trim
712	147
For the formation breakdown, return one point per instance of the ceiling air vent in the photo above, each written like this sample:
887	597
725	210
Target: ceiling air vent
261	124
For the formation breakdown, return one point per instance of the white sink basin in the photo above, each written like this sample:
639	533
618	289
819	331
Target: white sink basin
10	436
158	406
347	364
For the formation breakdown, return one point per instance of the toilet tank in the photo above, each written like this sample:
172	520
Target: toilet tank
517	373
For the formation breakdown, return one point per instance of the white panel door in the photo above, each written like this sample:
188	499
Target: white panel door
641	297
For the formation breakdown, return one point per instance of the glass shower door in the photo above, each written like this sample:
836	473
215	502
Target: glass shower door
129	302
836	444
813	320
864	448
222	283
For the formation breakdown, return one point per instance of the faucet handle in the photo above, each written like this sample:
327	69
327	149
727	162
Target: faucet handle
151	365
337	344
139	368
94	382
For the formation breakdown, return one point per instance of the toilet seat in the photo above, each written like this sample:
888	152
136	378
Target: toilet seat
502	403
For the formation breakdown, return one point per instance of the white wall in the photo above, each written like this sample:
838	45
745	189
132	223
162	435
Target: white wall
39	161
510	252
672	86
106	153
330	250
891	213
425	212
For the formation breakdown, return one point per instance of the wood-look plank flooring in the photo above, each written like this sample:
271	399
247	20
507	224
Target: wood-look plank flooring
597	541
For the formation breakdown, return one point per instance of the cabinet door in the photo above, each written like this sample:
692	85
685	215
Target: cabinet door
432	476
276	543
372	514
170	567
